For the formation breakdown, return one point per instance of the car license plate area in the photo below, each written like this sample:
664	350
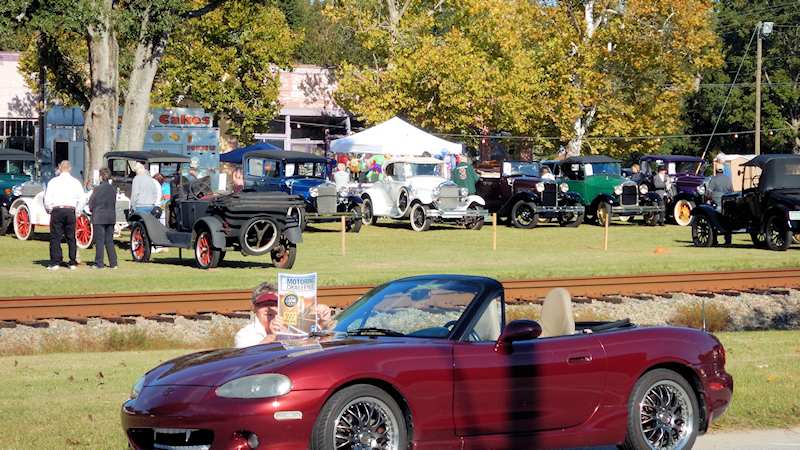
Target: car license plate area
794	215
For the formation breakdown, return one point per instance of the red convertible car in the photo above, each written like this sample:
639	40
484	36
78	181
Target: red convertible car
429	362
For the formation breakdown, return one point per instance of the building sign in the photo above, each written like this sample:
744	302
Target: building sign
181	118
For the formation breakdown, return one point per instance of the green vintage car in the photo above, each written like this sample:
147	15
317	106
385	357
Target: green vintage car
15	168
605	192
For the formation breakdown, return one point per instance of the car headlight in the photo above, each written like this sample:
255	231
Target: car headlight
540	187
17	190
564	187
137	388
643	189
256	386
463	192
701	190
618	190
314	192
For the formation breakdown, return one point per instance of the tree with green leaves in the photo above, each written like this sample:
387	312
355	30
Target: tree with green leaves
780	98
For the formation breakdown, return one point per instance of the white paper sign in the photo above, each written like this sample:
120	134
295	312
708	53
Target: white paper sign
587	170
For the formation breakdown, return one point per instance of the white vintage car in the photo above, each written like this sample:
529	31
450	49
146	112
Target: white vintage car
416	189
28	213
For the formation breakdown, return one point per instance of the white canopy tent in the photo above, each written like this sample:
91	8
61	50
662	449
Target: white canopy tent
395	137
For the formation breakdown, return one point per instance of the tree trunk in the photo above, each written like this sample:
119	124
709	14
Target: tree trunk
795	127
136	116
100	120
580	128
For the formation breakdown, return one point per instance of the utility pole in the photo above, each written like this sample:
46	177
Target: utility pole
764	28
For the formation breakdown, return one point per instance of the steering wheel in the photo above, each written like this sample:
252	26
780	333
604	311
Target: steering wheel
199	188
473	336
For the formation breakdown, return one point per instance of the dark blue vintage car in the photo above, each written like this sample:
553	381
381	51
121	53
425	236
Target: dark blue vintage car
302	174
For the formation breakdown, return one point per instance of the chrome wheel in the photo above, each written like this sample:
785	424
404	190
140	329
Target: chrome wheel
666	416
366	423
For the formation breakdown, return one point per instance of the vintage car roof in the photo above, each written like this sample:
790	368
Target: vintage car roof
763	160
11	154
678	158
589	159
414	159
285	155
149	156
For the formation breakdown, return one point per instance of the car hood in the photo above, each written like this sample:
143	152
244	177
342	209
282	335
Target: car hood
689	180
426	182
302	185
605	183
216	367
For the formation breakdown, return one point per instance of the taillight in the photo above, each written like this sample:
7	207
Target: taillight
719	355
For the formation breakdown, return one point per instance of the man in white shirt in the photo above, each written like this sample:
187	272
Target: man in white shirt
63	198
145	193
267	324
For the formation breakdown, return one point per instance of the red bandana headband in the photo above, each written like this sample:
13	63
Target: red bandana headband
265	298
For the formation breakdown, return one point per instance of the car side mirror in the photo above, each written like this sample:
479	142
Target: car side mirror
517	330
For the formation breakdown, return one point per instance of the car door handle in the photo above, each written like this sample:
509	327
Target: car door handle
583	358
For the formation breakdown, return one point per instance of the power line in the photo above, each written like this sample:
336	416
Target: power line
610	138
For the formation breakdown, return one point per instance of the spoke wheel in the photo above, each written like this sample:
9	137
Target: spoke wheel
140	243
682	212
284	255
258	236
360	417
603	213
759	239
571	220
84	231
367	213
778	235
402	201
420	221
353	224
523	215
475	222
297	214
663	413
23	228
205	255
703	233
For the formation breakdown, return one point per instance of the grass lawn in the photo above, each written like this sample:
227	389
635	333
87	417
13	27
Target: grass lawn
391	250
72	400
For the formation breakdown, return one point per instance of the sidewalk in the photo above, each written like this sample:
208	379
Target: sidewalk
777	439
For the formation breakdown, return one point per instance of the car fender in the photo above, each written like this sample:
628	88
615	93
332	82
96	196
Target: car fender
602	198
711	214
695	198
475	199
215	226
379	199
354	200
573	197
653	198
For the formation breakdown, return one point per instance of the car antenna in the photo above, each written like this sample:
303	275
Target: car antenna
703	312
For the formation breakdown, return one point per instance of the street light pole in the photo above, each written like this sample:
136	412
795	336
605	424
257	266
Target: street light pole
758	90
764	29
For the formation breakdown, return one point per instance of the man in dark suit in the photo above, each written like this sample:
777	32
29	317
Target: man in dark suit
103	204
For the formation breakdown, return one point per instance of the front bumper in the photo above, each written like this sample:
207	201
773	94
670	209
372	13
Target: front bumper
458	214
546	211
718	393
635	210
217	422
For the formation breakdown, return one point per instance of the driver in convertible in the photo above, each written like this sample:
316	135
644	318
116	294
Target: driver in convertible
267	324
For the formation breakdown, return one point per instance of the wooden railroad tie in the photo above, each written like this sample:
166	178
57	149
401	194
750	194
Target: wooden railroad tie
161	319
120	320
34	323
197	316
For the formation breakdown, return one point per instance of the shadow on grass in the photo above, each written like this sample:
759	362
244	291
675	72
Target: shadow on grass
189	262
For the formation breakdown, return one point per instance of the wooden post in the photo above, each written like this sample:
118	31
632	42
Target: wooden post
344	230
494	231
605	233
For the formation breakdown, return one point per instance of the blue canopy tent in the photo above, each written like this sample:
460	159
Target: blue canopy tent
236	156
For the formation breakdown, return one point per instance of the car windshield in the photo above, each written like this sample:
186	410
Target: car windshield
16	167
413	170
683	167
608	168
529	168
304	169
426	308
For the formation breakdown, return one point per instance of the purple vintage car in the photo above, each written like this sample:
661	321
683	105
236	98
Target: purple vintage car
686	174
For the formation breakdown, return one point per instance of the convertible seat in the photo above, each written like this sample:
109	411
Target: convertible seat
557	318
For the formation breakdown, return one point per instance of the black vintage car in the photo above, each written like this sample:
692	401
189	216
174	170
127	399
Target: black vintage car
769	209
302	174
255	223
516	190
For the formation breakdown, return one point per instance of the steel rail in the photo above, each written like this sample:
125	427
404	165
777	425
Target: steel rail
200	302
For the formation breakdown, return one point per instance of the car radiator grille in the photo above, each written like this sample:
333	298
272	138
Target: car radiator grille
630	195
326	200
550	194
171	438
448	197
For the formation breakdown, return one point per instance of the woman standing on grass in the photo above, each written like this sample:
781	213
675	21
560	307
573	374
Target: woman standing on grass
103	204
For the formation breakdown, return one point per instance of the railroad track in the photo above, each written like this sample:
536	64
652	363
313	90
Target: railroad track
198	304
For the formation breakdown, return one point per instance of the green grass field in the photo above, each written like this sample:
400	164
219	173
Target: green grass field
391	250
72	400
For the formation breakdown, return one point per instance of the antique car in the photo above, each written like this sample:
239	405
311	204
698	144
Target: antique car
16	167
122	165
516	190
254	223
432	362
303	174
605	192
769	210
416	189
29	214
686	176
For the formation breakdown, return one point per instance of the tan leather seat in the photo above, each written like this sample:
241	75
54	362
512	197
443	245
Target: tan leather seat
557	317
